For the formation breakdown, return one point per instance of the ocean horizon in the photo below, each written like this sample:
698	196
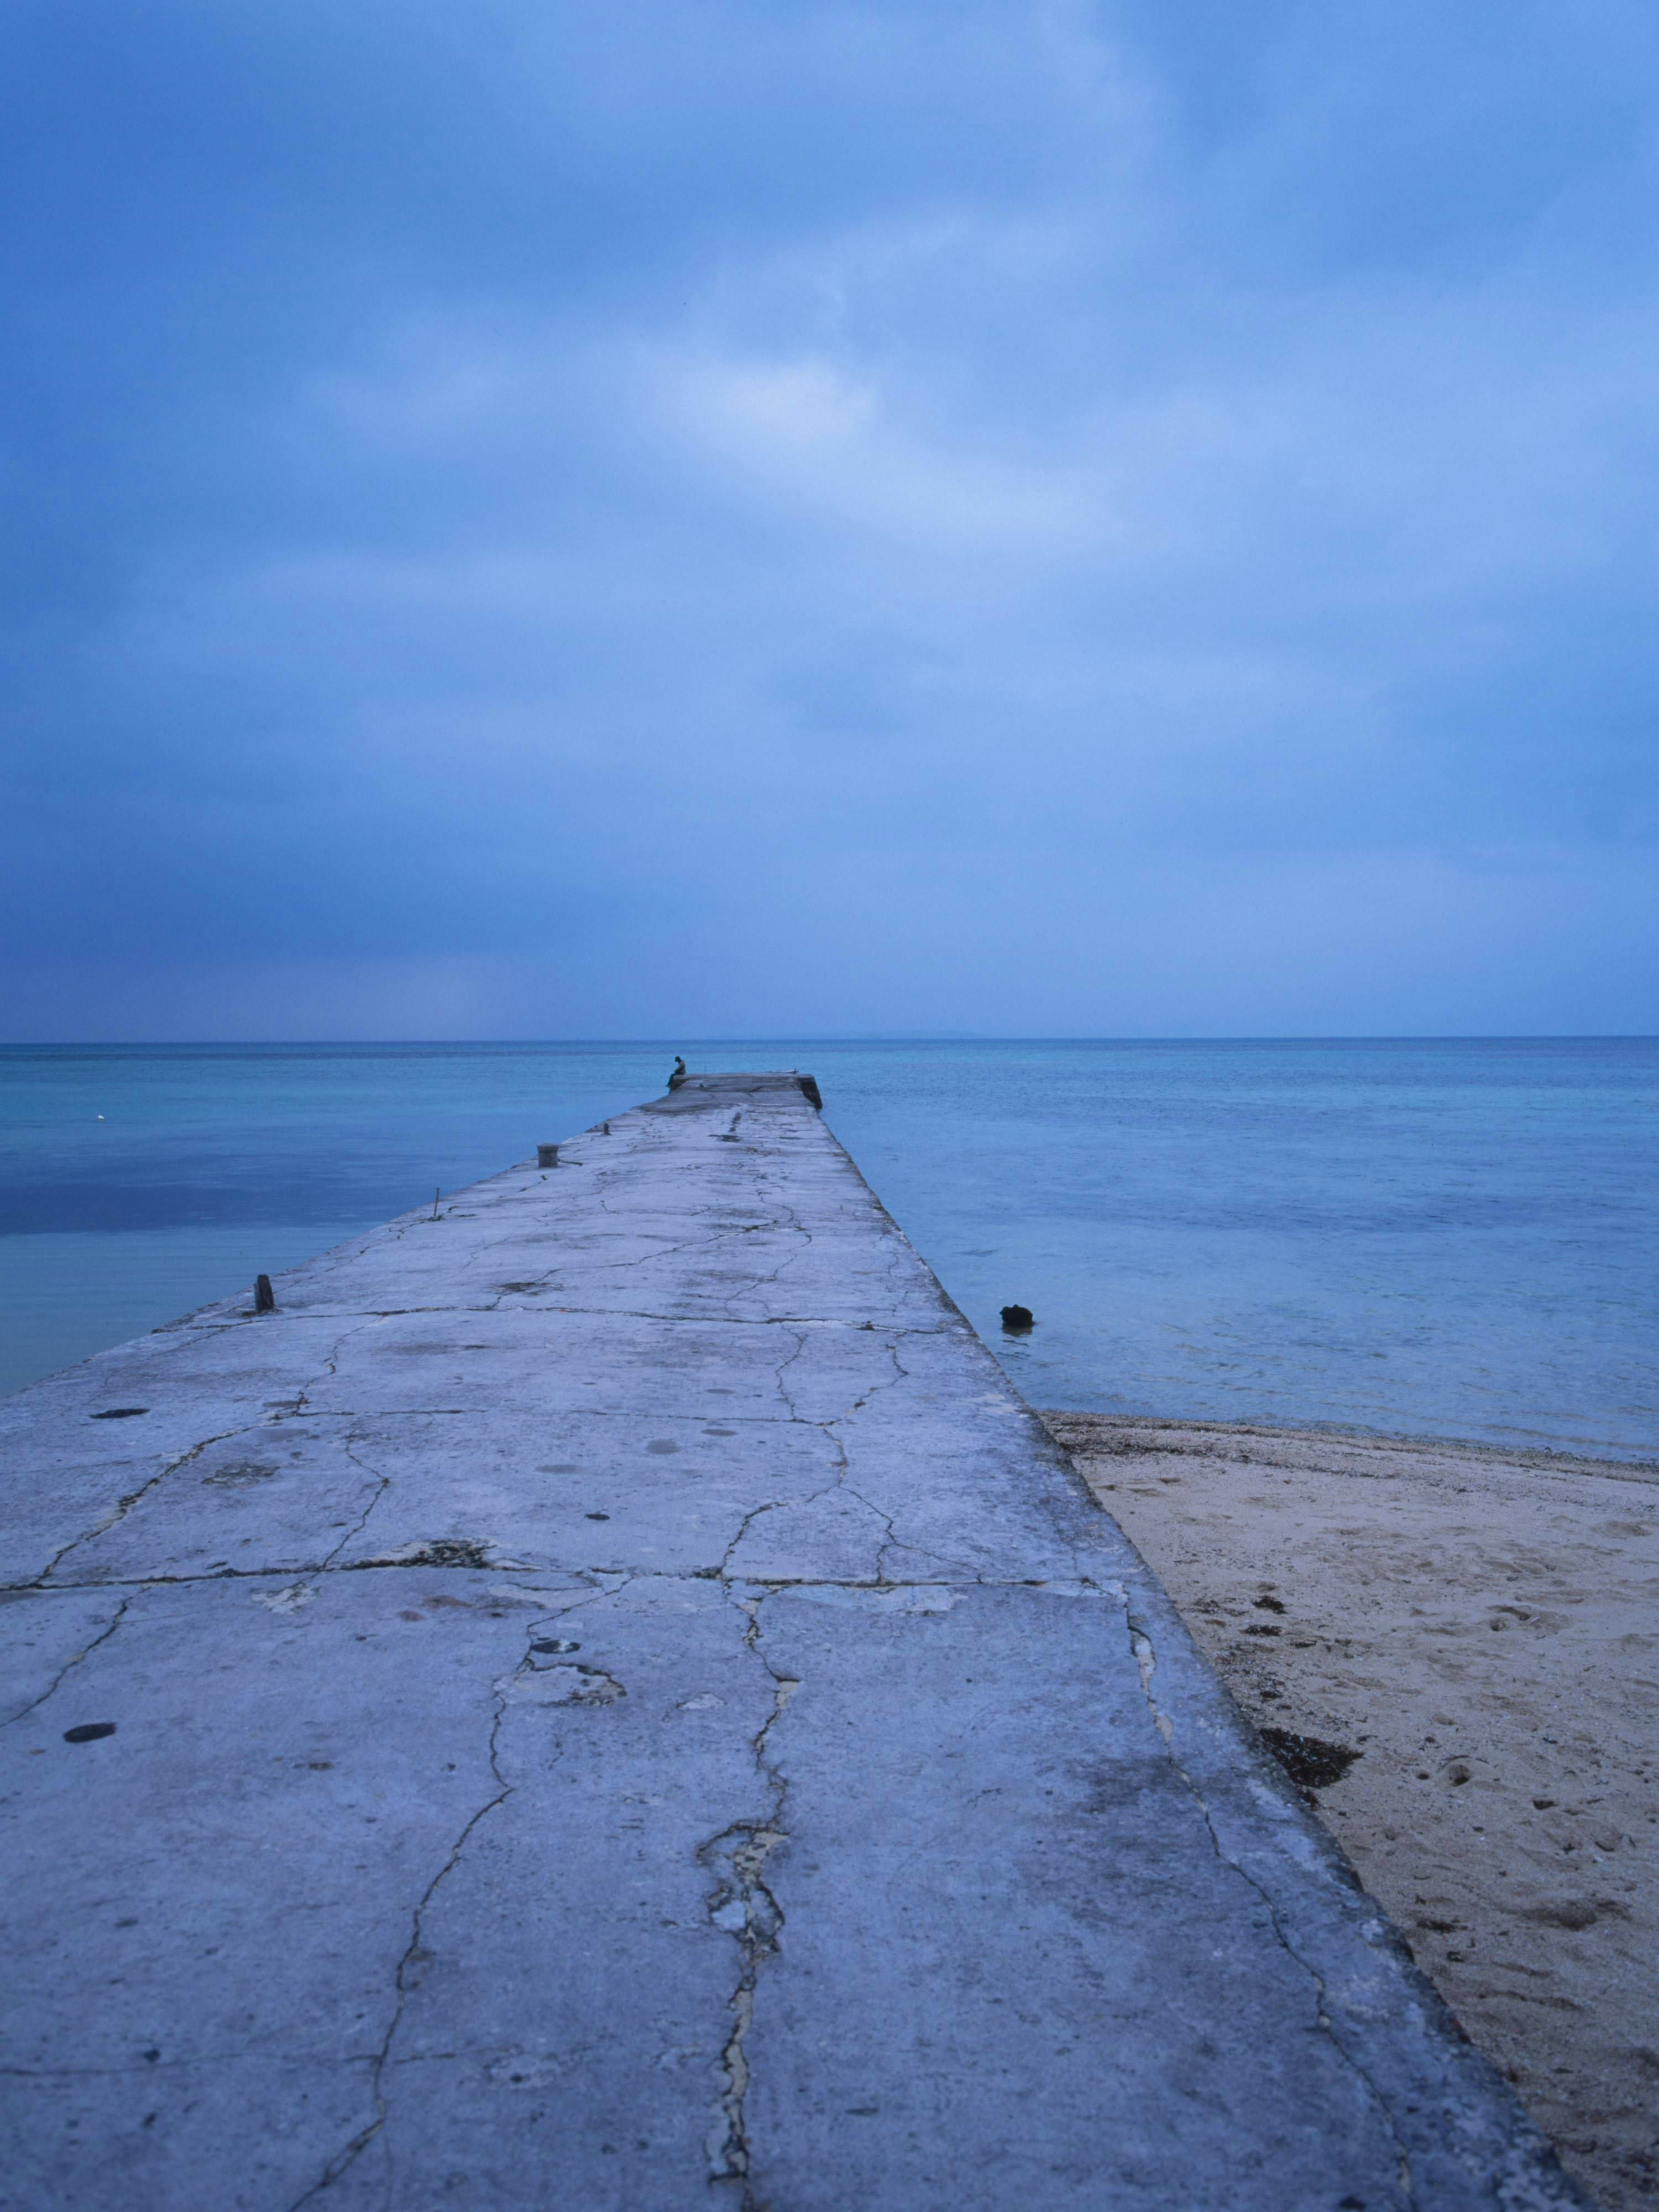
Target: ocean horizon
1420	1236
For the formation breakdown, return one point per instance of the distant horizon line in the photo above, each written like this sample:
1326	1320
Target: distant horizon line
674	1042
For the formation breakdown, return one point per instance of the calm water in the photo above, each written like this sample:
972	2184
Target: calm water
1439	1237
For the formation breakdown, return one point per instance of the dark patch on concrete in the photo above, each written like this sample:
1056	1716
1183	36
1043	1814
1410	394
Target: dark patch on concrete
89	1732
446	1551
120	1412
577	1683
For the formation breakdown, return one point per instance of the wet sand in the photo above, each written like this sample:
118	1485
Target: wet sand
1482	1627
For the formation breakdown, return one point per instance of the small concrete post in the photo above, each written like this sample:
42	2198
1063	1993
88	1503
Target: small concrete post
547	1156
264	1298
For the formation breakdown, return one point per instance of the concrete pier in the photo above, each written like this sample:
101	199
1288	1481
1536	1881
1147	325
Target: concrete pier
616	1703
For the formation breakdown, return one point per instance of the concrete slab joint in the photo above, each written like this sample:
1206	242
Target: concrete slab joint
605	1697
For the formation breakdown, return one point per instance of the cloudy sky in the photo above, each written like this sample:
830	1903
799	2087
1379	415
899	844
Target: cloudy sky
530	519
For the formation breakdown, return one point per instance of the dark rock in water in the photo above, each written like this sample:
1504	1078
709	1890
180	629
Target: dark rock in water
1310	1762
1016	1321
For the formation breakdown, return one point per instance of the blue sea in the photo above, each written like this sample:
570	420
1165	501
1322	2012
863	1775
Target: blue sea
1418	1237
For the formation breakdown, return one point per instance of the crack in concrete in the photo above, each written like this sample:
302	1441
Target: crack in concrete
1145	1658
828	1429
890	1541
383	1483
302	1578
67	1666
413	1955
743	1905
782	1388
690	1244
723	1572
604	1578
793	1227
123	1506
292	1407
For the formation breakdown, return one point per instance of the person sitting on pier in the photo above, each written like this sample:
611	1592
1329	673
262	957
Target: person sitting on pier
679	1075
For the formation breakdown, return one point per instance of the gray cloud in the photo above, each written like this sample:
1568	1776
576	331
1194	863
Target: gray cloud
1017	519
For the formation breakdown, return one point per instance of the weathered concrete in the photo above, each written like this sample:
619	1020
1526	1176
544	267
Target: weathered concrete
618	1705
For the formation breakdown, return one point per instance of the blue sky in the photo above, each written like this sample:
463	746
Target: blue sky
527	519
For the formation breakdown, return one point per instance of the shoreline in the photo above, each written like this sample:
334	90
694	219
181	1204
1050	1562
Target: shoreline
1550	1457
1477	1625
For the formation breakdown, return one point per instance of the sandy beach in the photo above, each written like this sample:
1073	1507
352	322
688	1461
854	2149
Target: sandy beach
1480	1628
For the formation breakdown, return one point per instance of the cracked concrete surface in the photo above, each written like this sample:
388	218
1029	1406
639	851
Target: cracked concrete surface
616	1703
